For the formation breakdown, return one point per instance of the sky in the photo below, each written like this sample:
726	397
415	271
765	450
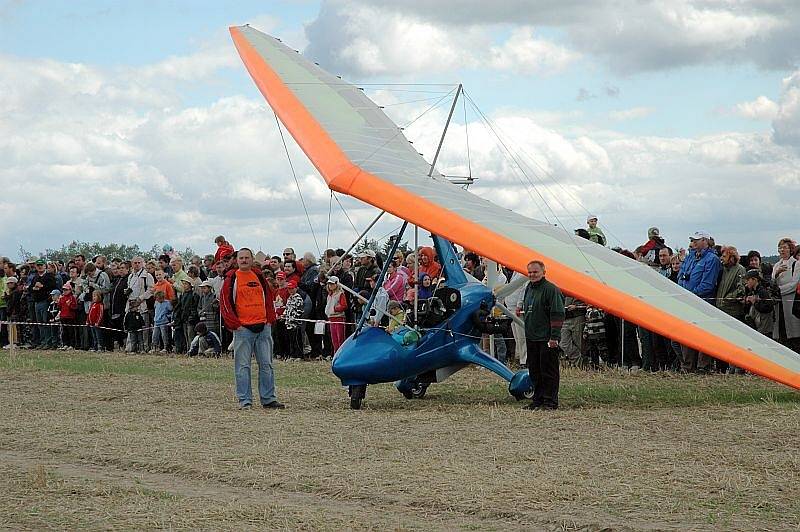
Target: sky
136	122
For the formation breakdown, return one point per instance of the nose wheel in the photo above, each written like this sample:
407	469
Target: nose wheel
357	394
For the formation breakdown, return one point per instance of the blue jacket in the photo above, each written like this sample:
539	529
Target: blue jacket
700	274
163	313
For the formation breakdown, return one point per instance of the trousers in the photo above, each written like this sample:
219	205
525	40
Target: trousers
545	373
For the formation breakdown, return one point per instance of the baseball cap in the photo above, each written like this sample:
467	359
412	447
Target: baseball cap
333	280
280	275
697	235
291	283
653	231
368	253
55	292
12	279
40	262
205	283
591	217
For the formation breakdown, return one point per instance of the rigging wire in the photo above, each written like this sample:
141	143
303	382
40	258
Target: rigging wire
516	170
552	178
328	236
407	102
398	132
297	182
344	212
466	134
569	233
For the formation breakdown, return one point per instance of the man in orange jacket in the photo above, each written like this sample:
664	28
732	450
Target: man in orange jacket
247	307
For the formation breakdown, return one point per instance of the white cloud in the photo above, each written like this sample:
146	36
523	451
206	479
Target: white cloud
631	114
786	125
360	39
631	35
524	53
762	108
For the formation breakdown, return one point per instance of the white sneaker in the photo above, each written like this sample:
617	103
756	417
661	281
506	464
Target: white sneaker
9	346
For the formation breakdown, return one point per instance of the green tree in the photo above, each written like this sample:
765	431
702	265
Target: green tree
111	250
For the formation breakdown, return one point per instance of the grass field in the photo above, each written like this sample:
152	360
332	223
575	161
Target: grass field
105	441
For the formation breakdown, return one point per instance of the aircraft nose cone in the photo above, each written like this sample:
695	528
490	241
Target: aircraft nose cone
366	359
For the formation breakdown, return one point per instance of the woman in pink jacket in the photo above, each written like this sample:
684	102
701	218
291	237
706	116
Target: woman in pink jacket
395	283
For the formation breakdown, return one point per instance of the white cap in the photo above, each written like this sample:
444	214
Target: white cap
697	235
591	217
333	280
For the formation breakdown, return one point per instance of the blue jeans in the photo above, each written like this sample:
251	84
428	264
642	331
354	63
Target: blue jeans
245	344
40	308
97	338
162	335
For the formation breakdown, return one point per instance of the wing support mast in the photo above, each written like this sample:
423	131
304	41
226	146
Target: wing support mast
430	174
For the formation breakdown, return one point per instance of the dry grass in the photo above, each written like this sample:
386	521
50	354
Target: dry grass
114	441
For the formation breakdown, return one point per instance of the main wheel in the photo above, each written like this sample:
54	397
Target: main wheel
357	394
528	394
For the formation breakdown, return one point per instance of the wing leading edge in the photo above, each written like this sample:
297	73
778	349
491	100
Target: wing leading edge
360	152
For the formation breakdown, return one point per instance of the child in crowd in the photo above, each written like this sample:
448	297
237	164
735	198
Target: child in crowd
162	330
335	306
208	307
133	324
594	332
94	319
280	336
163	284
398	318
53	333
184	316
67	314
205	342
295	306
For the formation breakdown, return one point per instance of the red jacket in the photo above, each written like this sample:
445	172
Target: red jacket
227	300
67	306
224	249
95	316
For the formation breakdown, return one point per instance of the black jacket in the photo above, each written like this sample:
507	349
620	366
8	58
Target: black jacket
48	285
185	310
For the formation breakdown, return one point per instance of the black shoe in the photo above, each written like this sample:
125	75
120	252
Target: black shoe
275	405
548	407
532	406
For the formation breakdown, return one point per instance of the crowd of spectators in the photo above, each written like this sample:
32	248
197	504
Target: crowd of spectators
166	306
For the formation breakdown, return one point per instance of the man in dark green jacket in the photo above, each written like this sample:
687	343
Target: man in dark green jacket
543	309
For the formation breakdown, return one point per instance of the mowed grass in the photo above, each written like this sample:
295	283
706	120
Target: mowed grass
610	388
104	441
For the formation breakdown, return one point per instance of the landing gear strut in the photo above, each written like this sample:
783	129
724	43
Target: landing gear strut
357	394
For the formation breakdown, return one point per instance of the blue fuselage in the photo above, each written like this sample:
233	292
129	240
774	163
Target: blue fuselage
373	356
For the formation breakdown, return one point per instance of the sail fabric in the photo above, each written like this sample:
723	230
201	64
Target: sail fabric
359	151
